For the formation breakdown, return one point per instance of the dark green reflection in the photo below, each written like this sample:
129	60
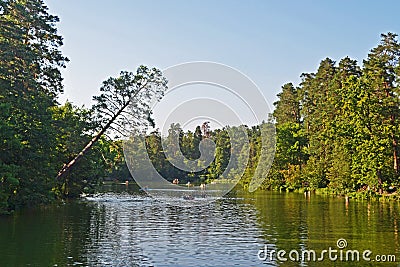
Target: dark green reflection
304	222
45	236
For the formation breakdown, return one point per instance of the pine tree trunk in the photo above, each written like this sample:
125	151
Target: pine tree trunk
395	155
67	167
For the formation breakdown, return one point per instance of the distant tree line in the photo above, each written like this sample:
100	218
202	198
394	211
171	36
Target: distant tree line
225	153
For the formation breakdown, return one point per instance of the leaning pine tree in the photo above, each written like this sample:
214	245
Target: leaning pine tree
123	104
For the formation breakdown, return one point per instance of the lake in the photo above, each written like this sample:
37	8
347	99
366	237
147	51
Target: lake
127	228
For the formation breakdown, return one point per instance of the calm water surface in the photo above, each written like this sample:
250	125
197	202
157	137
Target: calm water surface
130	229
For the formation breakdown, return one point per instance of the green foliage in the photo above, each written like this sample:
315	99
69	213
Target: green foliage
30	62
346	138
123	104
74	130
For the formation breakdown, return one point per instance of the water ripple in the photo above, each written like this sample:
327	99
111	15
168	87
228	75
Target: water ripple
148	232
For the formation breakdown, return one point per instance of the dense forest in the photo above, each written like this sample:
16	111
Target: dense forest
337	129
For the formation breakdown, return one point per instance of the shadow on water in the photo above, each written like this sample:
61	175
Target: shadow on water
124	227
45	236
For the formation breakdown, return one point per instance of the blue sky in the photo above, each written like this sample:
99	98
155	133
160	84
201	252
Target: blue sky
272	42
